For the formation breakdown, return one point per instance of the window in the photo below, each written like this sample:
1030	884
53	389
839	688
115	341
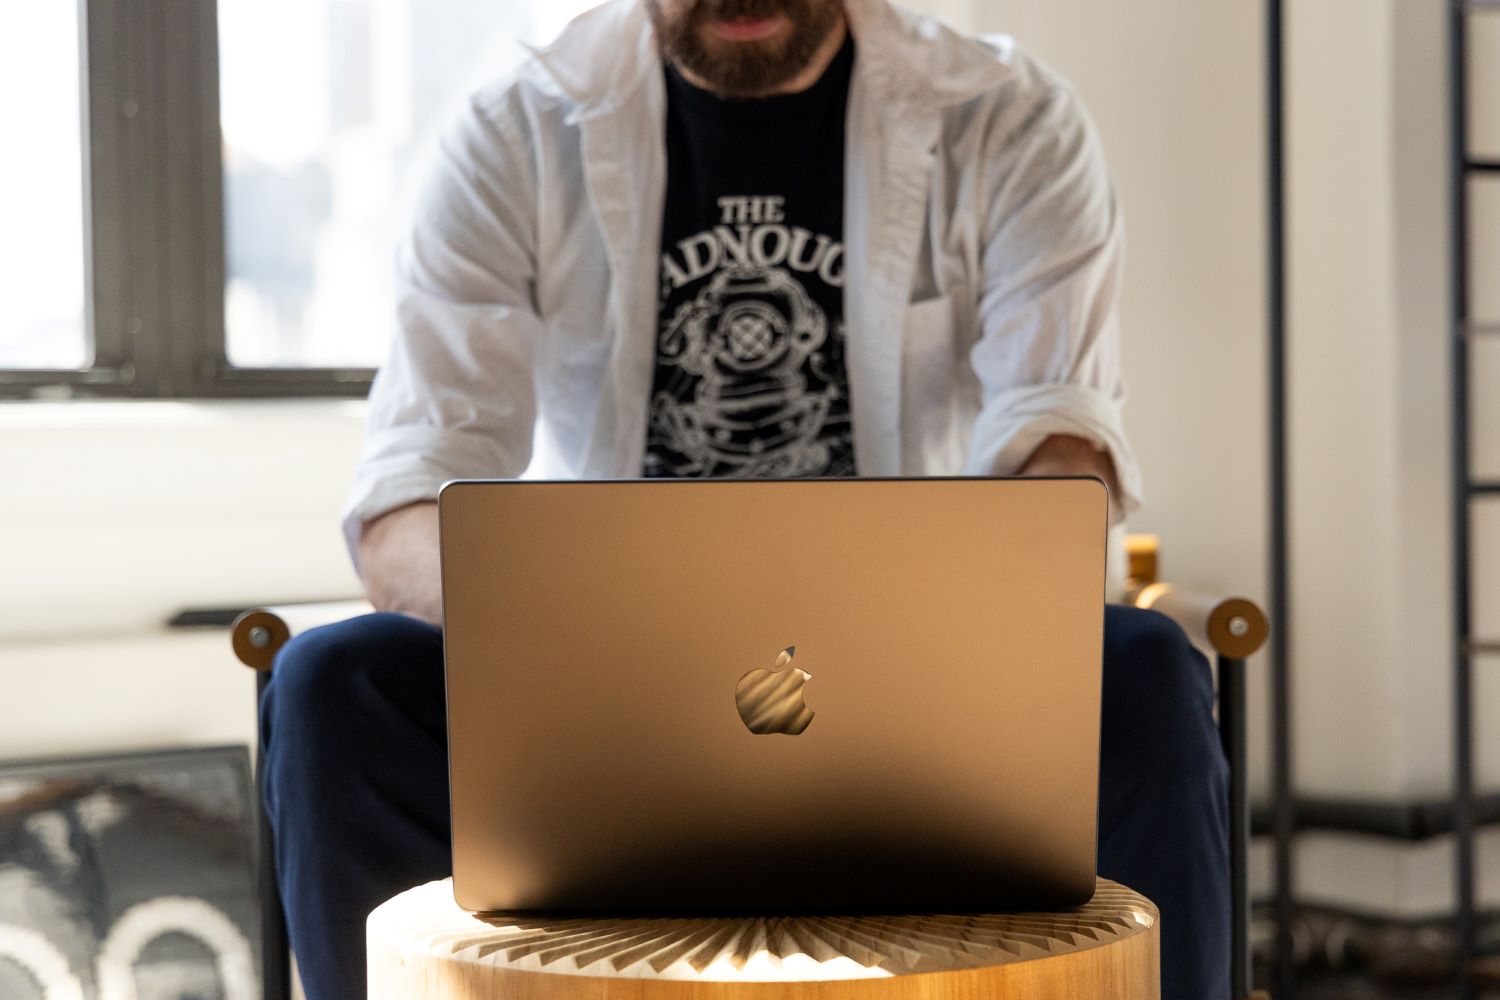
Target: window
230	230
41	195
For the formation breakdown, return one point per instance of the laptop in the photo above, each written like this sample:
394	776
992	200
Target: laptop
851	695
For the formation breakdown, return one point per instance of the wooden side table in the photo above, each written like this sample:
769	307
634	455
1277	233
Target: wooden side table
423	947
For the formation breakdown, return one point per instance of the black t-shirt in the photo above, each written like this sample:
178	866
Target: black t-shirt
750	376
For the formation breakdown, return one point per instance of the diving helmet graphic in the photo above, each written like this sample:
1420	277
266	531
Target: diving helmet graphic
745	338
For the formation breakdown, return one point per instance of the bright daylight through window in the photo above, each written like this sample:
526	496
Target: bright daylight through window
329	108
41	193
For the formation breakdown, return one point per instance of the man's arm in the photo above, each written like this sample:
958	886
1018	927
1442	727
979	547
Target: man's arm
1048	353
398	561
456	397
1066	455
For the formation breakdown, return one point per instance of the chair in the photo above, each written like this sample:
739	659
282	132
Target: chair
1233	628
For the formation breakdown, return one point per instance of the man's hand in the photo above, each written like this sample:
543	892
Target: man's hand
1066	455
398	561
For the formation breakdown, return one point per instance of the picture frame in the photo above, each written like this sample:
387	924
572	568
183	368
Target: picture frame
129	875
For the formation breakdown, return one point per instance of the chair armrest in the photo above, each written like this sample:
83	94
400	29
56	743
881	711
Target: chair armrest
1231	626
259	633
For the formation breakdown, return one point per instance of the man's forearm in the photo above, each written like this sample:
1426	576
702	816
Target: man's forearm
398	551
398	561
1066	455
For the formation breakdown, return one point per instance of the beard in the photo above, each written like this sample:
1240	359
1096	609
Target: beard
742	69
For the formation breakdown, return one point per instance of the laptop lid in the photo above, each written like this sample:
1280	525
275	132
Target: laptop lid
784	696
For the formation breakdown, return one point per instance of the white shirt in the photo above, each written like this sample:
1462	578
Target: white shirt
983	247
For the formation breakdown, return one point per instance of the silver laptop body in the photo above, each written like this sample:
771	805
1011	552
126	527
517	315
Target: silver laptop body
736	696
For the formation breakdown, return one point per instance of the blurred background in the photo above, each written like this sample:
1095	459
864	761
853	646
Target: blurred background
199	203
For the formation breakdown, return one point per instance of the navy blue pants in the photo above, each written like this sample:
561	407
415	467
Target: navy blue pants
355	784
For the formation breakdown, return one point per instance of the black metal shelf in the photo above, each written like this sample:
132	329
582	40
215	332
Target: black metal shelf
1283	815
1464	165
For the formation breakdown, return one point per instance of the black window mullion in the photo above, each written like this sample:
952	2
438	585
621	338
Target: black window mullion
192	207
212	268
105	204
138	43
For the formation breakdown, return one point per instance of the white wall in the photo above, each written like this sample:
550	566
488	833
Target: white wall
136	691
1175	87
1370	400
115	516
1344	406
1419	283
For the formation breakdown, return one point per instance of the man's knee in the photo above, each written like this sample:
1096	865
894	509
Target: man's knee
1148	657
331	672
1158	693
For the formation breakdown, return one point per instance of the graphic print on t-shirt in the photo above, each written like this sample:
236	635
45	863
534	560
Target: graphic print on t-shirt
750	376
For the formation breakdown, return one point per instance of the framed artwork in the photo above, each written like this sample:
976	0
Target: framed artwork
129	877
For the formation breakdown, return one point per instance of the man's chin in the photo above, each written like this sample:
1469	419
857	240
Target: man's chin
763	52
744	69
742	56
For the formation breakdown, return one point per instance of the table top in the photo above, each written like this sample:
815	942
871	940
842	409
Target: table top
426	921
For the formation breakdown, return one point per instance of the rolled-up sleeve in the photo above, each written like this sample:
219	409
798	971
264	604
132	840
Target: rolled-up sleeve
455	398
1047	355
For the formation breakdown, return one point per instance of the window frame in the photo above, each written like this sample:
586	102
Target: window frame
153	195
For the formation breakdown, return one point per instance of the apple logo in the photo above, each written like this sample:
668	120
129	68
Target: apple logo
770	701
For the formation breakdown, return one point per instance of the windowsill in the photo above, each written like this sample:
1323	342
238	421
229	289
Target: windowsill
114	414
119	513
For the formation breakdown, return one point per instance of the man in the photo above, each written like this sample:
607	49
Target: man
736	238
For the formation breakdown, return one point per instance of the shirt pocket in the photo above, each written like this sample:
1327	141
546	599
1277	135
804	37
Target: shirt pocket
929	372
927	341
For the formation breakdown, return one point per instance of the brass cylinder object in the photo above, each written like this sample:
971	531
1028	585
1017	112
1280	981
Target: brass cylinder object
1231	626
